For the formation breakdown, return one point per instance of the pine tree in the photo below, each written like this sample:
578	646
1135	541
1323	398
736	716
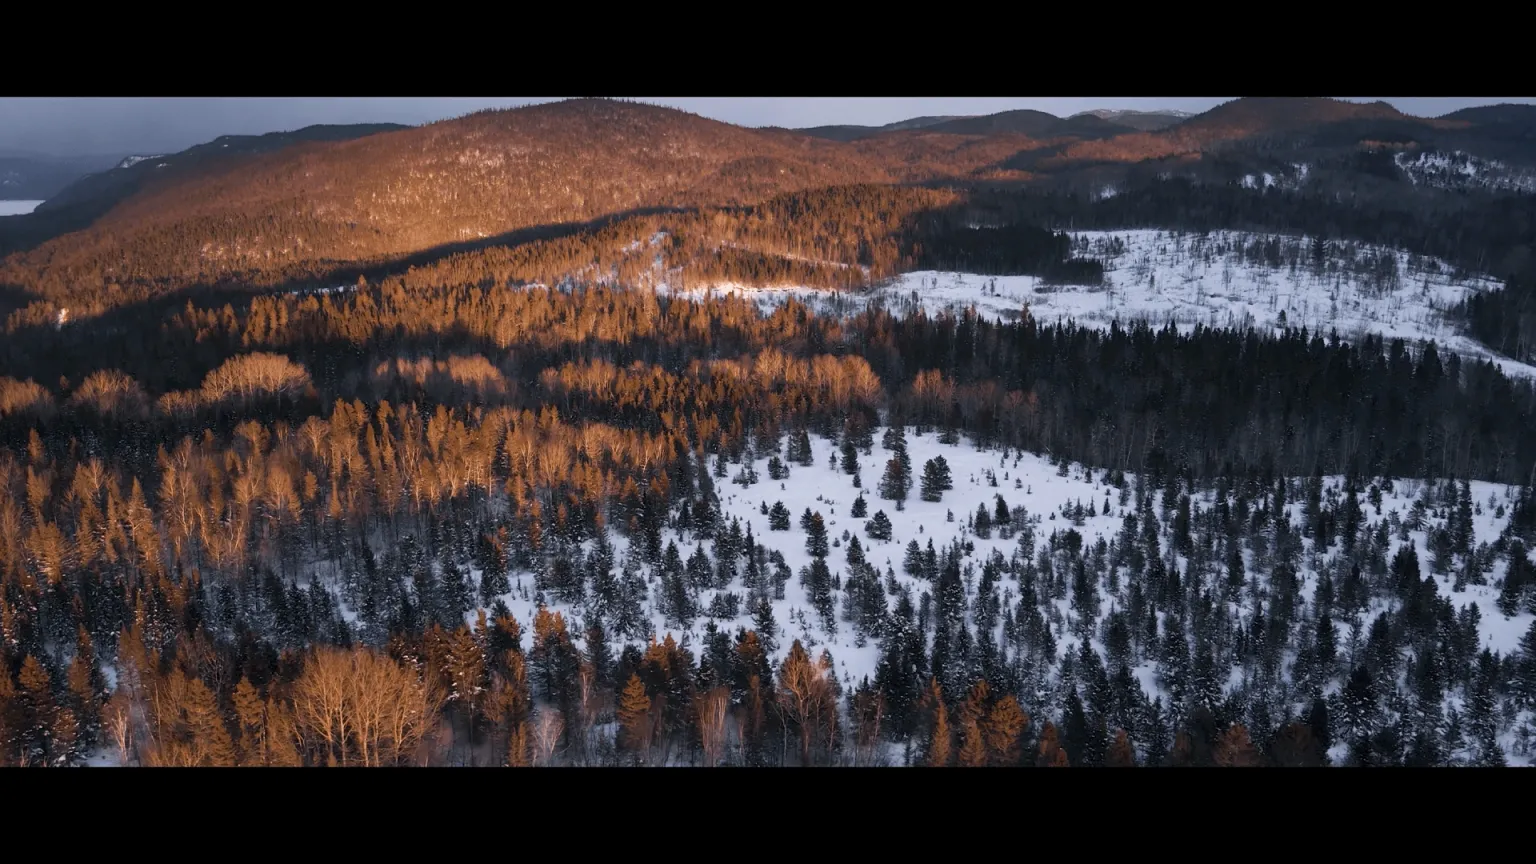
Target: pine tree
850	460
766	627
816	544
1525	668
912	561
1295	747
1358	708
778	517
806	456
983	522
1320	727
878	527
936	479
1516	577
1325	648
1482	710
1461	534
897	480
858	510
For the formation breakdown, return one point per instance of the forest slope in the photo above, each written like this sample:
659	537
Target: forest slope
461	180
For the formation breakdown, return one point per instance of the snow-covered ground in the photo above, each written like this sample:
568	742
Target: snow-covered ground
1047	492
17	208
130	161
1214	280
1219	280
1458	170
1023	480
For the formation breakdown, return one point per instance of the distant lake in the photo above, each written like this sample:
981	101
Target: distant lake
17	208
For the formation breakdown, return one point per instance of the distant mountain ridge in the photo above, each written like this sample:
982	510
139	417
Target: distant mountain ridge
131	172
259	209
1142	121
1035	124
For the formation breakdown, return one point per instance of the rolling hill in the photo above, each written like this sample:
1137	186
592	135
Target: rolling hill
305	208
304	205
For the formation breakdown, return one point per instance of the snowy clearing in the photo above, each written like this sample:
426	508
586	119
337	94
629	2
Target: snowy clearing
1218	280
1049	494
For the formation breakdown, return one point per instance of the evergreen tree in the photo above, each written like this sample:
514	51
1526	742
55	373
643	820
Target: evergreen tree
897	480
778	517
816	544
983	522
1358	706
936	479
1524	684
879	527
1461	533
1482	710
494	584
766	627
912	560
1319	727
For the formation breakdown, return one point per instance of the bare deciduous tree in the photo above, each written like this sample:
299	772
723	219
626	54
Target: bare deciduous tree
361	707
713	708
547	729
116	720
805	697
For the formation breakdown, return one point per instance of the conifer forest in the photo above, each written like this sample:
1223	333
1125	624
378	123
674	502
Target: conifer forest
1025	446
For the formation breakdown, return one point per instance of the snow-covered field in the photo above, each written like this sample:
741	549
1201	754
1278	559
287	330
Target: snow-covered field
1023	480
1220	280
17	208
1458	170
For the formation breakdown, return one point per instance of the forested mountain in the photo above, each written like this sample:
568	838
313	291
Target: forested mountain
853	133
596	433
301	211
82	198
483	176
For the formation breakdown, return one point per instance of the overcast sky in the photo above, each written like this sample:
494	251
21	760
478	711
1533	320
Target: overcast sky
79	125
